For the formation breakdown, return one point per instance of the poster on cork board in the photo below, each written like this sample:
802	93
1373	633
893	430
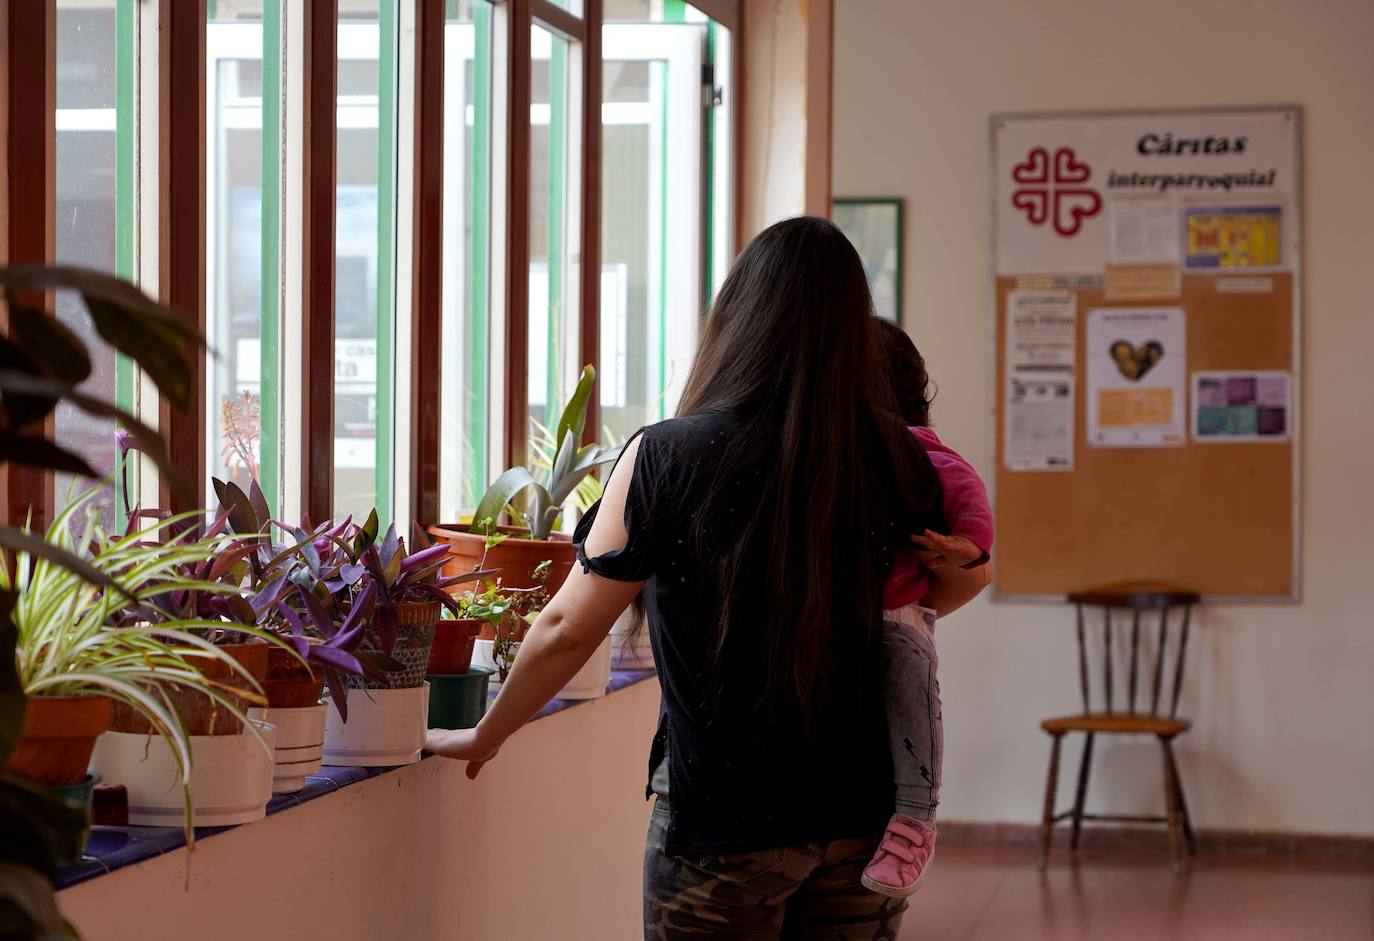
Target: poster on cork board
1139	260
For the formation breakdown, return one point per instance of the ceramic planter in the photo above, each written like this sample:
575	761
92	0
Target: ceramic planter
385	727
199	713
57	739
589	683
458	701
231	776
290	684
516	558
451	654
630	651
299	747
413	643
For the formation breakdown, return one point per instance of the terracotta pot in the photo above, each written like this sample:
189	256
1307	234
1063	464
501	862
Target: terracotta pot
58	737
515	558
488	631
290	684
199	713
452	651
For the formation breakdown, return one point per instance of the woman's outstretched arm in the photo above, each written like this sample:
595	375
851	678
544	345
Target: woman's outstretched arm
563	637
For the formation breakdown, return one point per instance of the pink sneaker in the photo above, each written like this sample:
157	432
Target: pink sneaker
900	863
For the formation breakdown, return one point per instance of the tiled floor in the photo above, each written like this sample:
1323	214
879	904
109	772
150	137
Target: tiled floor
977	893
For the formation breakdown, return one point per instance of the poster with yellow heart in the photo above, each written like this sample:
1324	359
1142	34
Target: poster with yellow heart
1137	363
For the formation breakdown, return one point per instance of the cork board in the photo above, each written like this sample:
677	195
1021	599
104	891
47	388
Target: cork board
1217	518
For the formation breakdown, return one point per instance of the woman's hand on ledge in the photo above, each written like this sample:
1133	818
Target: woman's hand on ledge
461	744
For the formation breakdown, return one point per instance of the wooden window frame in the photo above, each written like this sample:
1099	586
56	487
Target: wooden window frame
28	237
31	28
181	232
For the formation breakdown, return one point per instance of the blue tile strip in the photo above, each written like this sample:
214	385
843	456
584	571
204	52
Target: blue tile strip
111	848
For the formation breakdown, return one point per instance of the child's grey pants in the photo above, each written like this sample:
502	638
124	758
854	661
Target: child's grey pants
912	696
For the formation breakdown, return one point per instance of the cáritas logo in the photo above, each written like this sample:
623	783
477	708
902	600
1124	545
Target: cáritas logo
1054	190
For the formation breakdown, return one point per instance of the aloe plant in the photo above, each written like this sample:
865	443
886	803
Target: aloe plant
546	489
75	637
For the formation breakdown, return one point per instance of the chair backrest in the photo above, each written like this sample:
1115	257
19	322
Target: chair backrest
1153	606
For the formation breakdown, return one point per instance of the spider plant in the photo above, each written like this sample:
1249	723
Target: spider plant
70	638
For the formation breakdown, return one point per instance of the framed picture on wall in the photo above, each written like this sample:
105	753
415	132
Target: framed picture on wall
875	226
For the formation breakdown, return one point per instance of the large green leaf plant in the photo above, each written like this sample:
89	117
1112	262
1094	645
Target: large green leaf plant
44	363
535	495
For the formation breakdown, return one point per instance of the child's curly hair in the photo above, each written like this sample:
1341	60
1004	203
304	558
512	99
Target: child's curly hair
906	373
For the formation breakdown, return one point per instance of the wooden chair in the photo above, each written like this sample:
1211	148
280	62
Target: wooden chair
1151	605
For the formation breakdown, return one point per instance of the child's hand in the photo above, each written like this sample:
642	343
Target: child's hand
941	551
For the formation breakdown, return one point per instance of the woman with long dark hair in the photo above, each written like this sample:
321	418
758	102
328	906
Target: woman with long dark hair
760	526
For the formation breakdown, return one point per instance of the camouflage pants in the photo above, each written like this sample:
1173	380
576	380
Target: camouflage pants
810	891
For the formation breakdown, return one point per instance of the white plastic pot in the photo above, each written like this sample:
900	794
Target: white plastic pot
231	776
385	727
482	657
626	655
300	744
589	682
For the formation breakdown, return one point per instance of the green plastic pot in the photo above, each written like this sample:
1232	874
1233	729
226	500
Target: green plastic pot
78	796
458	701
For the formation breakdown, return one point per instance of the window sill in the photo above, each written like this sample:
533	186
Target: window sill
111	848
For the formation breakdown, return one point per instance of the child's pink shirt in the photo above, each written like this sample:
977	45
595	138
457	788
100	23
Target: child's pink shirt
966	512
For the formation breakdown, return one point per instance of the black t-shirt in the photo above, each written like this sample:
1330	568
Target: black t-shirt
738	781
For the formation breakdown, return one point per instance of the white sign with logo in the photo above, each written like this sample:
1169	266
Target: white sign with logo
1058	175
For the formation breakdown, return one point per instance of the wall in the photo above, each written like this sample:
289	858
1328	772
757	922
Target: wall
421	852
785	121
1283	695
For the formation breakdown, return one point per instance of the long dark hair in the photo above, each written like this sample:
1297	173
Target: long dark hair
790	351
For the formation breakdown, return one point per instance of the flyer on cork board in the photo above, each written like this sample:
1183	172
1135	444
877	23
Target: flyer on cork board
1146	291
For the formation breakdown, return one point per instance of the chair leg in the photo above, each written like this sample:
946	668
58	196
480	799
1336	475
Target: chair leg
1050	787
1188	837
1171	801
1084	770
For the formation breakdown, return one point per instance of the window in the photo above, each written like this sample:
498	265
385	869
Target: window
243	214
653	262
364	260
94	183
467	363
555	120
663	228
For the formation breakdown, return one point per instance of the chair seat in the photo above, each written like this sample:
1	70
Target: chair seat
1116	722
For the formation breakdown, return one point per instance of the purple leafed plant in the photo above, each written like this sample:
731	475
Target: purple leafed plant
408	578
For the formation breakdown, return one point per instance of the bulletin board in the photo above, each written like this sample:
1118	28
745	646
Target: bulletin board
1146	272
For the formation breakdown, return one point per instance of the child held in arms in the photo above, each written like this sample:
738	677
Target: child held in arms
910	689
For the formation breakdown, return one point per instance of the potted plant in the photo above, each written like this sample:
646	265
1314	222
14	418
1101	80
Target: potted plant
315	591
514	611
535	498
77	648
387	710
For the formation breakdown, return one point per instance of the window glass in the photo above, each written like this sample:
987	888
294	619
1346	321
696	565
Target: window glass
651	219
555	184
651	11
243	240
93	213
364	262
468	366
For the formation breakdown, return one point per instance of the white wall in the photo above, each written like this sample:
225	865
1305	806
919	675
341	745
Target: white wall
548	842
1283	695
